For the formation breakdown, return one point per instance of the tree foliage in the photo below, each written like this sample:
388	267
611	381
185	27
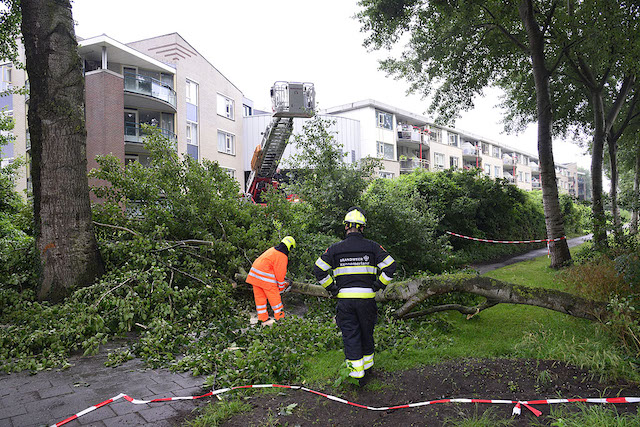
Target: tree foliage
455	50
323	179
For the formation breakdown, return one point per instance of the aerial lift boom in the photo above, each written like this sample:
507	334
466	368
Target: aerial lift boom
289	100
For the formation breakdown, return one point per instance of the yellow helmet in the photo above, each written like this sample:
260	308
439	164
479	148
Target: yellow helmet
290	242
355	216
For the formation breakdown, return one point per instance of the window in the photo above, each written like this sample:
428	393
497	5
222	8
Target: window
192	92
497	171
192	133
386	175
131	128
226	107
487	169
454	162
230	172
520	178
192	140
226	143
247	110
527	177
5	70
436	136
453	139
385	120
438	159
485	148
385	151
496	152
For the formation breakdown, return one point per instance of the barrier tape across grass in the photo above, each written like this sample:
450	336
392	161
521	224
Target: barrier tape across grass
507	241
516	410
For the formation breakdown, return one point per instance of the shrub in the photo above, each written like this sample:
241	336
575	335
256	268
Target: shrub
597	279
398	220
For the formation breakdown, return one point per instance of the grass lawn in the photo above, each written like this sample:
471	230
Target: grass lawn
503	331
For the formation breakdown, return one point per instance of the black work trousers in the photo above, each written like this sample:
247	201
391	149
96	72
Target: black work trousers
356	318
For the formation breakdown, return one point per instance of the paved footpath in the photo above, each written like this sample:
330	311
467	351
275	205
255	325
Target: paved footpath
51	396
483	268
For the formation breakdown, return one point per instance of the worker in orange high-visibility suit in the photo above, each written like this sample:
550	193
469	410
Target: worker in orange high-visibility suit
267	275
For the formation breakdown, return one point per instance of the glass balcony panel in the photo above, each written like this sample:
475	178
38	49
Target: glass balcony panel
145	85
411	164
135	133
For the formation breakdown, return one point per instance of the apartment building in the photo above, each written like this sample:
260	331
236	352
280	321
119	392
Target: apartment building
407	141
572	181
14	105
162	81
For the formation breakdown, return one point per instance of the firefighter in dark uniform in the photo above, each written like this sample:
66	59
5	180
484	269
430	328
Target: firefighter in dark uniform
353	270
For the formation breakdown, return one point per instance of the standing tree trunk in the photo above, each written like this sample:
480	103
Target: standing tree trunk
65	239
613	193
559	250
635	209
597	154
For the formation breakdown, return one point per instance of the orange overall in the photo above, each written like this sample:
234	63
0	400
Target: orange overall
267	275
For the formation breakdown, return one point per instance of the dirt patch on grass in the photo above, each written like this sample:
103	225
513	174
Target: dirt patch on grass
470	378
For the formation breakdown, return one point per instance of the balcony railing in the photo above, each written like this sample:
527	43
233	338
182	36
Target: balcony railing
145	85
508	161
407	133
411	164
134	133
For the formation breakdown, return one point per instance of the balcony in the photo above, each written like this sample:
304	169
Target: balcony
510	178
133	135
535	168
411	164
139	84
469	150
407	133
508	161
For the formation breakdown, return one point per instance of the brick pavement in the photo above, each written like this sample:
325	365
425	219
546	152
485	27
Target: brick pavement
52	396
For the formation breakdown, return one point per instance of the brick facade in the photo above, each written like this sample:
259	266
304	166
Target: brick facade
104	98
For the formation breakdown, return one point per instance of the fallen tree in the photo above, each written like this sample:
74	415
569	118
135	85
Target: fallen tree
417	290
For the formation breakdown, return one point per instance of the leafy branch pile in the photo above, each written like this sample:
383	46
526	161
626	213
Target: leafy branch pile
175	231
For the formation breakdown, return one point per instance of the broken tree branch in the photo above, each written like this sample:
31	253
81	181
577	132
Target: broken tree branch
415	291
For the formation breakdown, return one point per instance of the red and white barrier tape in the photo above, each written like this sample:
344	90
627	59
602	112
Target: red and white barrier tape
516	410
507	241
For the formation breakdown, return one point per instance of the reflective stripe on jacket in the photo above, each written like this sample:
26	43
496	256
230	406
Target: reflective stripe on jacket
269	269
354	268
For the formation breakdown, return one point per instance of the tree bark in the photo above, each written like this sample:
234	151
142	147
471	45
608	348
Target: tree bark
65	239
597	155
635	213
613	192
416	291
559	250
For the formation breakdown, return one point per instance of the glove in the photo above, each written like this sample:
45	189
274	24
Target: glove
378	285
287	287
333	290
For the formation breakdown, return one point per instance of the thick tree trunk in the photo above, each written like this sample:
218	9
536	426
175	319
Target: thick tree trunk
559	250
415	291
65	238
597	154
496	292
635	213
613	193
